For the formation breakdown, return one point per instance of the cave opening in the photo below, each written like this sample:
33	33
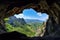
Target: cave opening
49	7
29	22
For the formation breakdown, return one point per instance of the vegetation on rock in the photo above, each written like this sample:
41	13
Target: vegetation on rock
31	29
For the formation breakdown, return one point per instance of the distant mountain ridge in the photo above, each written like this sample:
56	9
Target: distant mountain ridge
13	19
32	20
22	20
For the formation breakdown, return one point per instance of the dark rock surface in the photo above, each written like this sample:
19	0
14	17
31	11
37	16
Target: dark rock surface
51	7
13	36
19	36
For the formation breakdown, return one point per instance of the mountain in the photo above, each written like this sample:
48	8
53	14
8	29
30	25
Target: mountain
13	19
33	21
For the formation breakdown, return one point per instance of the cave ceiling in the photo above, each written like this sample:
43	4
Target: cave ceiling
11	7
51	7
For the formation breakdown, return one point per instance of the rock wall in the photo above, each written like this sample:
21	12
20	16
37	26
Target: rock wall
51	7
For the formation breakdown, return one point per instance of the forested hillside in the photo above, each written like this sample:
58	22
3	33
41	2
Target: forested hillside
30	29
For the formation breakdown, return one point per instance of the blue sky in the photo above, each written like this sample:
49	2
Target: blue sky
32	14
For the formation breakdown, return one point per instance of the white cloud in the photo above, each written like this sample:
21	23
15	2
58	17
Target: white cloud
47	17
39	13
22	16
44	18
19	15
27	17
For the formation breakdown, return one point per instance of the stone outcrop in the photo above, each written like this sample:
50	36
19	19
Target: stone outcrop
51	7
18	36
